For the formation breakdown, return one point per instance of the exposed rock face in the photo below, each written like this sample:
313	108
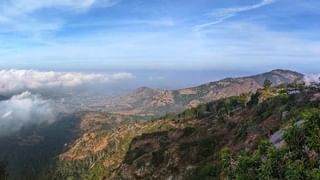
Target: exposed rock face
155	102
277	139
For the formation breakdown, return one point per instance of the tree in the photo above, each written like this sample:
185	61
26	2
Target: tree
227	161
267	84
295	138
254	100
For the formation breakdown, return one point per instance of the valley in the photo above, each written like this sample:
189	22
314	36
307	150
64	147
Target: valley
135	142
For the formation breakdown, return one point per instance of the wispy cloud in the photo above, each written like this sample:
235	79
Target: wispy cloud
224	46
20	16
220	15
15	8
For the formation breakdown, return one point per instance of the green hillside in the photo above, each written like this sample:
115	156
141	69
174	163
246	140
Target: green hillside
190	145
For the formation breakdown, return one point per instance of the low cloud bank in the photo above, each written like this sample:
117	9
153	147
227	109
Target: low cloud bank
311	78
22	110
17	81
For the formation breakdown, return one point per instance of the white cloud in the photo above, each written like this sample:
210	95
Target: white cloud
198	28
229	45
13	81
24	109
220	15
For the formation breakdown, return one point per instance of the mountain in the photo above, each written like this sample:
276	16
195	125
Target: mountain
188	145
155	102
192	152
97	145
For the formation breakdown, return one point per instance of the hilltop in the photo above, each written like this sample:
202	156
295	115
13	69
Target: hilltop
156	102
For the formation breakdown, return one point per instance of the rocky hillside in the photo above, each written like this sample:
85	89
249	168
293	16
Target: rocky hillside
188	145
155	102
193	152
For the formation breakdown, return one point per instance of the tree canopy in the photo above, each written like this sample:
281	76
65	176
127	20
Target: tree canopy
267	84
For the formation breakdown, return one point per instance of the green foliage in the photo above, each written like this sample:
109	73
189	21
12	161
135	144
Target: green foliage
312	132
227	163
298	160
314	174
246	166
206	172
254	100
295	138
96	172
221	108
295	170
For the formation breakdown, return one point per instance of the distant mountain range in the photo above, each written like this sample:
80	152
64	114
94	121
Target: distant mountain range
156	102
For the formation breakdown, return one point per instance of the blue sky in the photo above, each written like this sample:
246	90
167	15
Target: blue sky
197	35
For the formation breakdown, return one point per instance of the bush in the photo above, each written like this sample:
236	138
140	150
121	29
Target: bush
298	160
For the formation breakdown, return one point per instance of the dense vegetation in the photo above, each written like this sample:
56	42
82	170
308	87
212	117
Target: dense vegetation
298	159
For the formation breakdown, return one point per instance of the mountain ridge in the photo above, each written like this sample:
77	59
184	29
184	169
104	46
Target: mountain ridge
146	101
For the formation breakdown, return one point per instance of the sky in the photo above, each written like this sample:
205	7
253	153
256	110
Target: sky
84	48
160	35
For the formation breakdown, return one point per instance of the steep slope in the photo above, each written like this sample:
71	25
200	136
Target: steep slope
187	145
30	150
155	102
193	152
